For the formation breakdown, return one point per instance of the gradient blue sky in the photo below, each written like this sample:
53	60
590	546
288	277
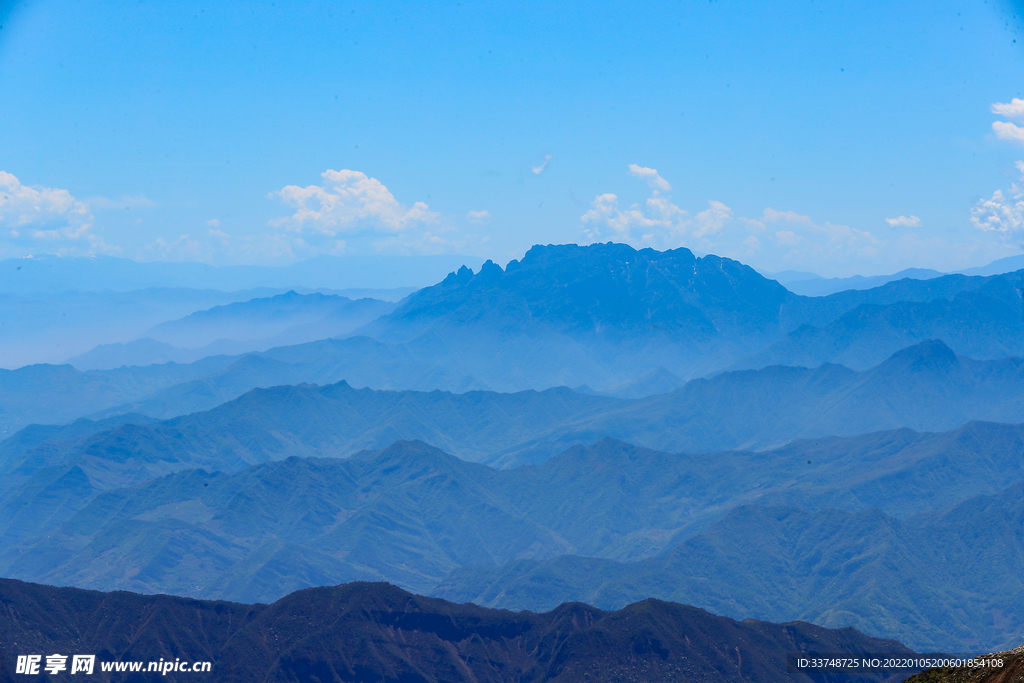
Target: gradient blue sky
783	134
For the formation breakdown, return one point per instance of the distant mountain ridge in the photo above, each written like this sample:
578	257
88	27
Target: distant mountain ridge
238	328
603	316
51	327
602	288
812	284
925	387
274	318
595	311
808	284
411	514
939	581
983	322
376	632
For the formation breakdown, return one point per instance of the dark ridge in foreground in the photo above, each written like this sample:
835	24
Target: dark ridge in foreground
377	632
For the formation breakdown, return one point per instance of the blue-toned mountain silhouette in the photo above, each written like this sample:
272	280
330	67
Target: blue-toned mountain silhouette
376	632
729	443
604	317
411	514
240	327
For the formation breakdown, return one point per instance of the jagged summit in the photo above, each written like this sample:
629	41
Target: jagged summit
604	287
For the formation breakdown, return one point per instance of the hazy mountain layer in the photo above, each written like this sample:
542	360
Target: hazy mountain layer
948	581
982	323
410	514
595	315
926	388
332	421
56	394
376	632
808	284
237	328
604	316
51	327
282	319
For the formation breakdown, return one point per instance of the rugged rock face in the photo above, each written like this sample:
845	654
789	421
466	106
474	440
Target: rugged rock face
1012	671
376	632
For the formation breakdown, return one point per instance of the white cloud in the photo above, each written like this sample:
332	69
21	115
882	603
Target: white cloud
349	202
808	242
772	216
478	217
37	205
904	222
650	175
47	218
350	213
801	243
713	219
537	170
1012	110
780	239
1008	131
1003	213
658	222
787	238
662	224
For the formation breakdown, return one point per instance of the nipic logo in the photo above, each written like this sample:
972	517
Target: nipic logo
28	664
32	665
55	663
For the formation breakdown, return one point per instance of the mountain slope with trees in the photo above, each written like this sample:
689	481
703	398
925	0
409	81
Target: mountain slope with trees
373	632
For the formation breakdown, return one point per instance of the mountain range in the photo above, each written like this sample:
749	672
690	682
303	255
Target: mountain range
603	317
366	632
981	323
925	388
422	519
237	328
945	580
606	314
809	284
732	463
52	327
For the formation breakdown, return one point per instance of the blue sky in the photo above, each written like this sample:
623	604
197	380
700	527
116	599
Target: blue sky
831	137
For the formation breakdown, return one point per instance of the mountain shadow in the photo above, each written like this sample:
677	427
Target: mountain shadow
375	632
